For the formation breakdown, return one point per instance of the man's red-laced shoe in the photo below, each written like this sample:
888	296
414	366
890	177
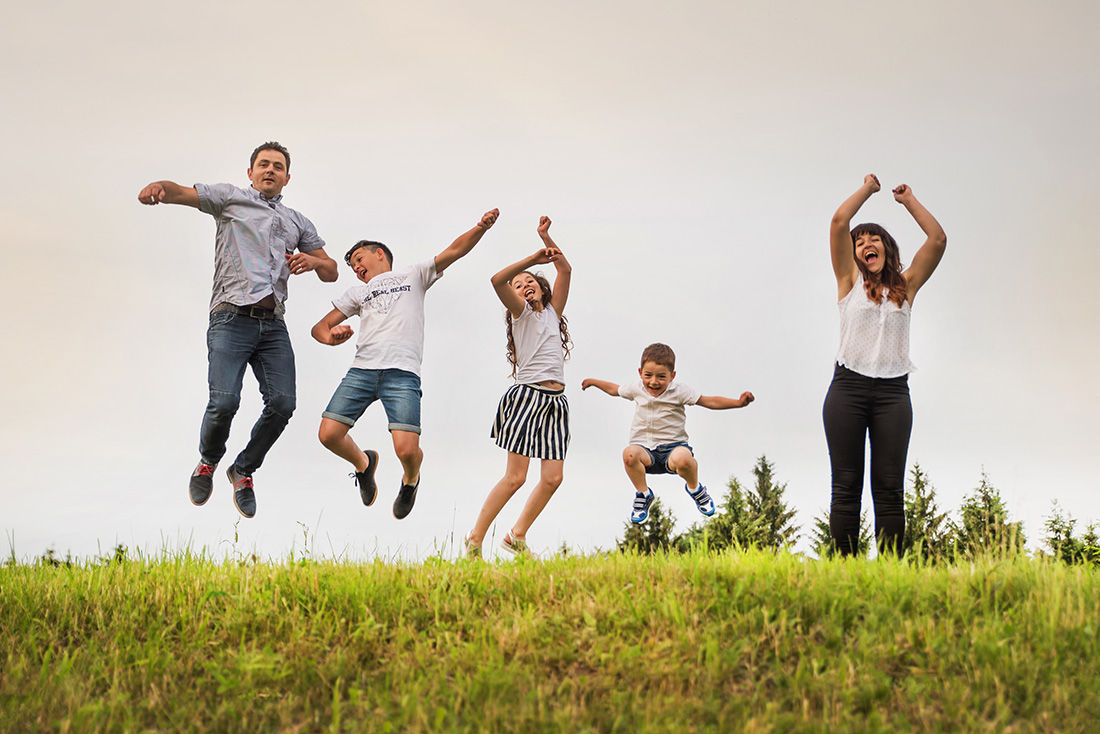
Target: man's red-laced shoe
243	496
202	483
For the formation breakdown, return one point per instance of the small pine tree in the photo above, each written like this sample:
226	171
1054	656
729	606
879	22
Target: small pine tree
770	516
731	526
823	537
925	526
655	534
1059	537
1090	545
984	525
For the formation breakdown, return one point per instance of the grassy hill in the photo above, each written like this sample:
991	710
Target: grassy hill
694	643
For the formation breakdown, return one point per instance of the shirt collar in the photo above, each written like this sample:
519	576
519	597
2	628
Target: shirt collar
273	200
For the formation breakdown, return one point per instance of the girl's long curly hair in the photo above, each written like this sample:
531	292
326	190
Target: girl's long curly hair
890	278
563	324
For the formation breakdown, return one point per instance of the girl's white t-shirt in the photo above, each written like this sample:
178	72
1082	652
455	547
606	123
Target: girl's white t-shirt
390	308
874	337
539	354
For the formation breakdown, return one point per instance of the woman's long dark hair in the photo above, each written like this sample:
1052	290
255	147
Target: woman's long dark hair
563	325
890	277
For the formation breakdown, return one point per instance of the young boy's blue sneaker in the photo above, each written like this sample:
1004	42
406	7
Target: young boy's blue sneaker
702	499
243	495
641	506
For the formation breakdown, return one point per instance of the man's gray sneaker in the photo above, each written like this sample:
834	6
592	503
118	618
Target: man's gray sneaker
243	495
406	498
368	489
202	483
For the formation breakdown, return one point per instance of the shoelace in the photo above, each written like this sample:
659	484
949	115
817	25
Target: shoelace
205	470
243	483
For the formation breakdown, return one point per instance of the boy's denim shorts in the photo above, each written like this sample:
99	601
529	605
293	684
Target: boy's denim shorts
398	390
659	457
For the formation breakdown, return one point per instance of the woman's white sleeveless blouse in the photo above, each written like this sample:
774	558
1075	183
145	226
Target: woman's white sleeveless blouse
874	337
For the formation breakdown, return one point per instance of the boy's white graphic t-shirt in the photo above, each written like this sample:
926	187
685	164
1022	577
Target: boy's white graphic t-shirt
660	419
390	308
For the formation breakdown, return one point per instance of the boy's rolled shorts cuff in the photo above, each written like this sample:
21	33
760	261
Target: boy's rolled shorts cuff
351	422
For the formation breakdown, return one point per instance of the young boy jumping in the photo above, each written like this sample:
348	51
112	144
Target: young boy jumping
386	367
658	438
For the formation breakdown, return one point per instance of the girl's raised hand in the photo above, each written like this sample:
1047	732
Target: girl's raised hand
903	193
544	226
871	182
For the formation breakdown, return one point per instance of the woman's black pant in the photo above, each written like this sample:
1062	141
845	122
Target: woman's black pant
858	407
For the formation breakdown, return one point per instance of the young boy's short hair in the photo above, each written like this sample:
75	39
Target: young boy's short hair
661	354
373	247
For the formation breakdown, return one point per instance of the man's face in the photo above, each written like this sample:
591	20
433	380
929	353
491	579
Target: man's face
269	173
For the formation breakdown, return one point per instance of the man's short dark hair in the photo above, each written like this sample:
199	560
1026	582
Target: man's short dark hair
660	354
373	247
270	145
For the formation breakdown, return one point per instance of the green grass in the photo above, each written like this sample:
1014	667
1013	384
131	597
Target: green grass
737	642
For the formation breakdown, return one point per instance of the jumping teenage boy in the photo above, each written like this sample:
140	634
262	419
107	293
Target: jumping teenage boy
254	256
390	307
658	438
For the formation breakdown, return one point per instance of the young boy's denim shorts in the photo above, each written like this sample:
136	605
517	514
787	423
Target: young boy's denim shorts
659	457
398	390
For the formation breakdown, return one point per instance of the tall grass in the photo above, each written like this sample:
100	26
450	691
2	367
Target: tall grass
617	643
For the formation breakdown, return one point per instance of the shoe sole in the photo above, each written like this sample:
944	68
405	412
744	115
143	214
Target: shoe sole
372	456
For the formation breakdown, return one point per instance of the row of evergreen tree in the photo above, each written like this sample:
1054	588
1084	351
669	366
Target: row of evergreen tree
760	517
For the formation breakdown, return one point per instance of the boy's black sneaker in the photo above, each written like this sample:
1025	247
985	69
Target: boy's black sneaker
243	495
202	483
368	489
406	498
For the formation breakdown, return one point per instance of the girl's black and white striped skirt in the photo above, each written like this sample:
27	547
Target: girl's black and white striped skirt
533	421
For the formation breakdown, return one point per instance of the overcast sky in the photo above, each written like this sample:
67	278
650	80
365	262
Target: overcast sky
690	157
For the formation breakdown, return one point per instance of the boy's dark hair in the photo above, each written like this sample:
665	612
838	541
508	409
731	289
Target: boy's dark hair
270	145
373	247
661	354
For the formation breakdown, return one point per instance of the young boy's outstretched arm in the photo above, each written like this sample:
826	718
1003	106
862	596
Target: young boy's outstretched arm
466	241
329	331
608	387
717	402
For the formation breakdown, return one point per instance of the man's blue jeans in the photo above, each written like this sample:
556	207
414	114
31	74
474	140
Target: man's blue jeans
234	341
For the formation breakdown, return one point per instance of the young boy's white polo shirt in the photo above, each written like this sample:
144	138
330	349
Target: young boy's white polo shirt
659	419
391	311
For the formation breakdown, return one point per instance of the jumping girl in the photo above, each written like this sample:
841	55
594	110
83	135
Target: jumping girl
869	395
532	419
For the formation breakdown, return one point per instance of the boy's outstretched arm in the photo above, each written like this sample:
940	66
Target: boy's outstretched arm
608	387
329	331
717	402
465	242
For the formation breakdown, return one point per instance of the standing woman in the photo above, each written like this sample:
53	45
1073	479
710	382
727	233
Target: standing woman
869	395
532	419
